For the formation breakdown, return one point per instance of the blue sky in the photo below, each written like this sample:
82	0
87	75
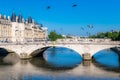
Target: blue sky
104	15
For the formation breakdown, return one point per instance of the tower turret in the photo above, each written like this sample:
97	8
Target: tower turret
29	19
20	20
13	17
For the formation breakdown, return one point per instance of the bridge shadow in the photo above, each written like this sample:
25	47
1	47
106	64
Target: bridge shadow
106	68
41	63
107	59
8	57
101	52
39	52
3	52
117	51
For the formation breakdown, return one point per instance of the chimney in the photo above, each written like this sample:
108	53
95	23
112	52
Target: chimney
0	15
4	16
26	21
33	21
16	18
22	20
9	18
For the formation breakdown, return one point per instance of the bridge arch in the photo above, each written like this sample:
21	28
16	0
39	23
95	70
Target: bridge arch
39	52
4	51
100	49
108	49
8	56
71	48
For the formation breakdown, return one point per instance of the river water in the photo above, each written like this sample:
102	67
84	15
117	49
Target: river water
61	64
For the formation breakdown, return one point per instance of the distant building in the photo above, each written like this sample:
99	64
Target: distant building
84	40
15	29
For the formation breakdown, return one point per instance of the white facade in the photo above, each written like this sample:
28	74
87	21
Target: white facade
20	30
46	32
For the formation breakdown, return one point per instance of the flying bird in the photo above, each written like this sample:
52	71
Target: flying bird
82	28
48	7
74	5
90	26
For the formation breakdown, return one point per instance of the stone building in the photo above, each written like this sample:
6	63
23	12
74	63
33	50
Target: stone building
15	29
5	28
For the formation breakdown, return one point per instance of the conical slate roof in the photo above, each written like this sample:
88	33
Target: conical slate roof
13	17
29	19
20	18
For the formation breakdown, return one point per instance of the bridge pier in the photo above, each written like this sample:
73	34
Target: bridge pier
24	56
86	56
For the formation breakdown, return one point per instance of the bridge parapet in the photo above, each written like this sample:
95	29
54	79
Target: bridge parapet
24	50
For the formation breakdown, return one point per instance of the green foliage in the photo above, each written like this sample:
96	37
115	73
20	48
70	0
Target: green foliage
68	37
119	36
93	36
115	36
53	36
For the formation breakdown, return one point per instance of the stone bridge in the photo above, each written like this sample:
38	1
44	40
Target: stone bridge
26	50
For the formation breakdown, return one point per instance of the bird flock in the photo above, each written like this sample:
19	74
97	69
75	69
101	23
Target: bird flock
49	7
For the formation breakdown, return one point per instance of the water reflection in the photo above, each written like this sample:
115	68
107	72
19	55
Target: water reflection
11	68
40	63
9	59
107	58
62	57
86	63
38	69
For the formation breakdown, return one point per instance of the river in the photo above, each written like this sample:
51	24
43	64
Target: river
61	64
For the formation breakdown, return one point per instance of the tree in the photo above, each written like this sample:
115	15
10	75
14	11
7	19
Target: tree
53	36
115	36
119	36
101	35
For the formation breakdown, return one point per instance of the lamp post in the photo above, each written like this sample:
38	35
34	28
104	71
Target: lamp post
90	26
